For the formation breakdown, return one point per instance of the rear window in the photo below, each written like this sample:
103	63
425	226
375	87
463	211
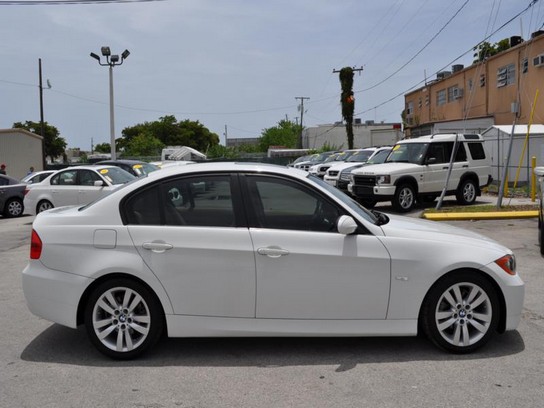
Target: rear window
476	151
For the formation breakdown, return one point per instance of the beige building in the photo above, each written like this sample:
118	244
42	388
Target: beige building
482	95
19	150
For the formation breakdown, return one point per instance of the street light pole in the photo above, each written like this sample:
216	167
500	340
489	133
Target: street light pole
111	61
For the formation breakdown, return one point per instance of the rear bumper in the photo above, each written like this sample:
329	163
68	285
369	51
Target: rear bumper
53	295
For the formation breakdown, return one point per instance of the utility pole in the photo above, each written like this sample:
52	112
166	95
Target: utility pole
42	124
347	100
226	137
299	144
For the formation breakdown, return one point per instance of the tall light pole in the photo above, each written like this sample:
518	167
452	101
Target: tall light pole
111	61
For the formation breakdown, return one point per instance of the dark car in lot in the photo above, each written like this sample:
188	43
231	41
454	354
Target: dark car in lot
11	196
135	167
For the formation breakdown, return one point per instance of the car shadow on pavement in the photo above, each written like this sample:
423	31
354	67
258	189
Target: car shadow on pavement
58	344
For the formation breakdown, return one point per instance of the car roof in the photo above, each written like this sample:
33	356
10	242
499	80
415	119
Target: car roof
122	161
447	137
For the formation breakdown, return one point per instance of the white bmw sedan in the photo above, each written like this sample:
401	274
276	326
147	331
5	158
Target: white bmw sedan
261	250
72	186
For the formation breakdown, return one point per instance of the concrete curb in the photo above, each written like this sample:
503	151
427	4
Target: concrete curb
480	215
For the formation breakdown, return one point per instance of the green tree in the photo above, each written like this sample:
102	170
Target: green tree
485	49
144	144
285	133
347	101
54	145
173	133
103	148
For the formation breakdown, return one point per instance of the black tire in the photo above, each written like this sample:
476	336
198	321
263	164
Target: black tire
467	192
43	206
469	323
127	328
14	208
405	198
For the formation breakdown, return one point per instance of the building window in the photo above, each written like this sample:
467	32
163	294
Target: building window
410	108
453	93
482	80
506	75
470	84
441	97
419	103
524	65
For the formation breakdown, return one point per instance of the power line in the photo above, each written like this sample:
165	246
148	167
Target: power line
66	2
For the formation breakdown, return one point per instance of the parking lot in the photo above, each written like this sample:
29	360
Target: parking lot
47	365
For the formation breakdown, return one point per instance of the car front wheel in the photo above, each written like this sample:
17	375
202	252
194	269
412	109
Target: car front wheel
405	198
123	318
461	312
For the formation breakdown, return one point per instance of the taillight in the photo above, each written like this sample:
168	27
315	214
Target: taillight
27	190
508	264
35	246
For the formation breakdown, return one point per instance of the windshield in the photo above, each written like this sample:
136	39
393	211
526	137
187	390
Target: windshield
379	157
350	202
116	175
407	153
144	168
361	156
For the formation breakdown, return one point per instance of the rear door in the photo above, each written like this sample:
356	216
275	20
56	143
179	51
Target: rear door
191	233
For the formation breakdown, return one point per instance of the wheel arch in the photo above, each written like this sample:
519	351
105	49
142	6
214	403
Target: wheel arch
408	180
470	176
502	302
87	293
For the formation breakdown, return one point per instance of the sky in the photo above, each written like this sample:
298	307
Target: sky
237	65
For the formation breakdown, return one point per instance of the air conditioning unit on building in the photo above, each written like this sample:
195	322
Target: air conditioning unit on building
538	61
457	93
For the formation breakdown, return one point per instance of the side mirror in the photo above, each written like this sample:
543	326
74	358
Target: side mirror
346	225
431	160
99	183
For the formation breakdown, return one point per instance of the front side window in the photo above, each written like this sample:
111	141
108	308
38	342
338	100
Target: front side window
285	204
87	178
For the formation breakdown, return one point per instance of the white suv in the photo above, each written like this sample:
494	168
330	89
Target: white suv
417	169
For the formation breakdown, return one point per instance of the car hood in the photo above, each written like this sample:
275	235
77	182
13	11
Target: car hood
387	168
414	228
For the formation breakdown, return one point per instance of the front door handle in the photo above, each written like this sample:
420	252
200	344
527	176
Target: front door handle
272	252
157	247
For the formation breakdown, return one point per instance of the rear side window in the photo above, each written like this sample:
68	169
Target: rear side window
143	208
476	151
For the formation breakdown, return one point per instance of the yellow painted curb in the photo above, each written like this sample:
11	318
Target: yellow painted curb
480	215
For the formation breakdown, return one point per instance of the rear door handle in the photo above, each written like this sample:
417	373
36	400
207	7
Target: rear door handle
273	252
157	247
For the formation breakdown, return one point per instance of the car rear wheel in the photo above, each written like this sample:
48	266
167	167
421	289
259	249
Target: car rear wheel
123	318
405	198
466	194
43	205
14	208
461	312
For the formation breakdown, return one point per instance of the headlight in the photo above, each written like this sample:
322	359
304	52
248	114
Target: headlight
383	179
507	264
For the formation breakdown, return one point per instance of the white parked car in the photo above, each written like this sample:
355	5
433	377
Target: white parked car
37	176
263	250
72	186
371	155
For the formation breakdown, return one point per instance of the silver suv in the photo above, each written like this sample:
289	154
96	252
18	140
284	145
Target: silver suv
417	169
